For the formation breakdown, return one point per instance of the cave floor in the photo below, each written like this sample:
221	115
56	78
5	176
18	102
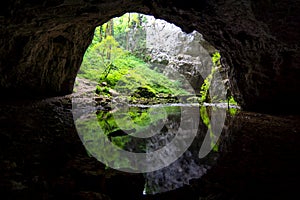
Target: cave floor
42	157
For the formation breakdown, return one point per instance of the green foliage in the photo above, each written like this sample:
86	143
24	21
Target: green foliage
204	91
124	27
99	59
216	59
143	77
232	101
127	21
102	90
106	60
232	111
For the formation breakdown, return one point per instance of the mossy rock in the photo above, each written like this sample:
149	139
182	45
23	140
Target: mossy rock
143	92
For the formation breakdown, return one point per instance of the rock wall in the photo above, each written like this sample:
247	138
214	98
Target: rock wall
172	49
42	43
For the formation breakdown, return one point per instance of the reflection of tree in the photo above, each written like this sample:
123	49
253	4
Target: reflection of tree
135	120
95	143
204	114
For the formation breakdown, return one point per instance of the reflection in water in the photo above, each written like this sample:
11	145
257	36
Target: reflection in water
146	129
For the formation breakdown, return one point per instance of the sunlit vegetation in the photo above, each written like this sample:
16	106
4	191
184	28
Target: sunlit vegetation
115	62
112	60
123	68
232	111
204	91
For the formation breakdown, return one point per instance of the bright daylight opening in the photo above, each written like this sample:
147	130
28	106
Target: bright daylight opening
157	70
141	53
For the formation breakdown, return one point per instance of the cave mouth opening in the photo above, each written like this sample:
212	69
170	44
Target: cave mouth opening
149	57
159	70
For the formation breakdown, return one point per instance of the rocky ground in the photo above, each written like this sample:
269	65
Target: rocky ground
42	157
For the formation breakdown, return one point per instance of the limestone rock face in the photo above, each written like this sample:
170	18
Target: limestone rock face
171	50
42	43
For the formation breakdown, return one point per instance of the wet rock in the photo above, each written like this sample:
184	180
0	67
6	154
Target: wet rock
104	84
144	93
113	92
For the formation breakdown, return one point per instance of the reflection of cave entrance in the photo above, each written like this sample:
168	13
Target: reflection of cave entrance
134	40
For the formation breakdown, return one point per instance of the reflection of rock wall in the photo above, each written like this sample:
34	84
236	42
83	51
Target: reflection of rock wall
176	50
180	127
176	175
189	166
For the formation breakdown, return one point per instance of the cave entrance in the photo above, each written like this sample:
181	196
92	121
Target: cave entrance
150	82
149	58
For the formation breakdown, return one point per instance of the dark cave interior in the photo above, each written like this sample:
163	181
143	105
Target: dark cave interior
42	46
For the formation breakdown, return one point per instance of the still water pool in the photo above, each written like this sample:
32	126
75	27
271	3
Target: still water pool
169	144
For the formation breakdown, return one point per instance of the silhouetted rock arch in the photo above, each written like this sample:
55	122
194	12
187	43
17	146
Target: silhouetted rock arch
43	42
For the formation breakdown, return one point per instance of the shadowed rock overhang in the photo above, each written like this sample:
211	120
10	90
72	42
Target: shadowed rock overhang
43	43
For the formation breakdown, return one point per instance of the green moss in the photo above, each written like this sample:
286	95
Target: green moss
232	111
232	101
216	59
204	91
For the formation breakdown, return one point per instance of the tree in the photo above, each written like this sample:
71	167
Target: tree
107	50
